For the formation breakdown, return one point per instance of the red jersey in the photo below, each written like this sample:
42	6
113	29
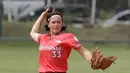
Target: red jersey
54	52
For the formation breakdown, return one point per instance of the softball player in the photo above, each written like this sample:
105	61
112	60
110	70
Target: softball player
55	46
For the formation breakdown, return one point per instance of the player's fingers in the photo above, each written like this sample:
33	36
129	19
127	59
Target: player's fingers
54	9
47	9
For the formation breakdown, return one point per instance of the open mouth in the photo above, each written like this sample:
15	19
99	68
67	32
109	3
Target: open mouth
55	28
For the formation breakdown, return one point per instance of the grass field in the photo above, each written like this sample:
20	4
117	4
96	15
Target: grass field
22	57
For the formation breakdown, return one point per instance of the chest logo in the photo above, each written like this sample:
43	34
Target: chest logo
58	41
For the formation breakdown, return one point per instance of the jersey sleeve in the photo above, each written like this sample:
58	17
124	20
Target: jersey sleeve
74	42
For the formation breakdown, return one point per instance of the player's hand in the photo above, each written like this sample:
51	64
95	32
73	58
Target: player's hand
50	8
47	9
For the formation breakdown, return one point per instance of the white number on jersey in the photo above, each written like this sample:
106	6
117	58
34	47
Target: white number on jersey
56	54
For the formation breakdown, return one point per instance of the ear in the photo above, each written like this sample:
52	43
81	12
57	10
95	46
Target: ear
48	25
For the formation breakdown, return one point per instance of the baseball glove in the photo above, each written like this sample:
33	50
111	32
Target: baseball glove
98	61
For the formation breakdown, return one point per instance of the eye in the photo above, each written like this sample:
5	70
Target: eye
53	22
58	22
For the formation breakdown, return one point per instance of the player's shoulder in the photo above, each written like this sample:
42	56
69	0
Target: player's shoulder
43	35
68	34
71	36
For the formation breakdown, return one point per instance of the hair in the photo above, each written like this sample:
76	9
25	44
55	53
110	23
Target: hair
51	14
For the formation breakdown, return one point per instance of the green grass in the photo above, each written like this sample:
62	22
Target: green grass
22	57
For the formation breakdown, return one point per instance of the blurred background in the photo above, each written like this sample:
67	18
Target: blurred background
96	23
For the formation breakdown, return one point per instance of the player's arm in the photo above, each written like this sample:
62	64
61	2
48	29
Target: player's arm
85	53
37	25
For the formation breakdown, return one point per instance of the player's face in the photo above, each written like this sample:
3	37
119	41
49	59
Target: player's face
55	24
